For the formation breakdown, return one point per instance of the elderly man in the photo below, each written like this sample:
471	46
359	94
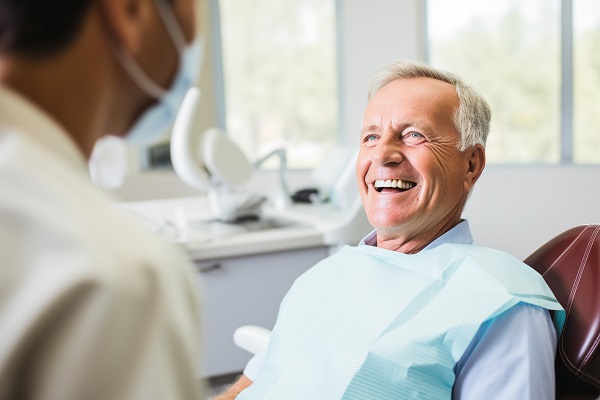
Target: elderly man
416	311
92	306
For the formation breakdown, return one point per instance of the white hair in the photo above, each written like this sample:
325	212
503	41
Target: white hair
472	118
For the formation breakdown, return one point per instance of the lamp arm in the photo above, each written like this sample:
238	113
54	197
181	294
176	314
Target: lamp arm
282	168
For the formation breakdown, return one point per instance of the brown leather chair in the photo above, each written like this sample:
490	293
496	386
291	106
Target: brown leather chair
570	264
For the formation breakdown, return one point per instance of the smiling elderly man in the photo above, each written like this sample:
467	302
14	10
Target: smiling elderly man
416	311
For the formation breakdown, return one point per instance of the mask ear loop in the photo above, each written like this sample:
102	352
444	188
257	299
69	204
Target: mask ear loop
136	73
171	25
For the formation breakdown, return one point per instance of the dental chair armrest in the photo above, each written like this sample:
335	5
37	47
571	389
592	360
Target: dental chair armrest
252	338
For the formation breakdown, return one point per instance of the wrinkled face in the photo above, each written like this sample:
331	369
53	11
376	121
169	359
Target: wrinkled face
412	179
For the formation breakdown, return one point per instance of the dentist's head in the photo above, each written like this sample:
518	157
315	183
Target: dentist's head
101	67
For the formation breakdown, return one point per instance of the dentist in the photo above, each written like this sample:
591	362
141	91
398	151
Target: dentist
91	307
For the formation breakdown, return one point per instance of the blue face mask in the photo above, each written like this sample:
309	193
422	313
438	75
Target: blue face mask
156	120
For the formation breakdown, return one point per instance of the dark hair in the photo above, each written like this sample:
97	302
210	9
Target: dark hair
39	27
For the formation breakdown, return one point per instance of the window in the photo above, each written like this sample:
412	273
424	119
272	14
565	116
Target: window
518	55
279	77
586	81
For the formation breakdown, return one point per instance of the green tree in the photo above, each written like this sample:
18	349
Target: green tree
280	76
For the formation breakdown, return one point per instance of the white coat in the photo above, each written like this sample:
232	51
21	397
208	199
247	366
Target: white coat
91	306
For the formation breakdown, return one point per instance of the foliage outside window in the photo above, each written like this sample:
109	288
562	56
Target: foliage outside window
586	77
510	51
279	73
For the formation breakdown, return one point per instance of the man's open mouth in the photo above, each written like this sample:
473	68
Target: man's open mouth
396	185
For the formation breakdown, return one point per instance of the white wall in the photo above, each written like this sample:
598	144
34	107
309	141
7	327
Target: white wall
518	209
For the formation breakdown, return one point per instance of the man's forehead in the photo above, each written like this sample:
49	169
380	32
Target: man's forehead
425	103
415	99
421	87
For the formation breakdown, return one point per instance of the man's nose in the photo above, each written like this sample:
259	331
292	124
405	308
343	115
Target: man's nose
388	151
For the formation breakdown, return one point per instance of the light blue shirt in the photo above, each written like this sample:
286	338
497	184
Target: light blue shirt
511	356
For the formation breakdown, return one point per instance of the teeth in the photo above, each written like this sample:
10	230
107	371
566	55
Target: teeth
394	183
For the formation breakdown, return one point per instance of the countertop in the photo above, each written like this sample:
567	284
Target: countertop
188	222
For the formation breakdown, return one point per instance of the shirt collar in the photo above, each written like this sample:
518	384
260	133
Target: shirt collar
20	115
460	234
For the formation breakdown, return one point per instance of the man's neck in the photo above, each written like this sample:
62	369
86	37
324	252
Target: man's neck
413	242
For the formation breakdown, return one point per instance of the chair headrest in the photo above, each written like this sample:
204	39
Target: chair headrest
570	264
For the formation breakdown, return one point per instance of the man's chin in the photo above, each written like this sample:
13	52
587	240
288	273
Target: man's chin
390	228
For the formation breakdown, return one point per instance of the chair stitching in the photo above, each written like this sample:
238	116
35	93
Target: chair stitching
588	251
581	268
569	303
565	250
568	363
573	291
591	378
581	373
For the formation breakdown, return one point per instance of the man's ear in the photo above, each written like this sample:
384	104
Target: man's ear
125	21
476	165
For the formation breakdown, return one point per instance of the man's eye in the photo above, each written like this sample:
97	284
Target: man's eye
414	138
369	139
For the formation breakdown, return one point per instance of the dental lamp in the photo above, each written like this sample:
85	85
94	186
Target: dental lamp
281	154
210	162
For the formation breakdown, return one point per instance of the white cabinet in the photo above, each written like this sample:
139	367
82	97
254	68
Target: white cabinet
244	291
